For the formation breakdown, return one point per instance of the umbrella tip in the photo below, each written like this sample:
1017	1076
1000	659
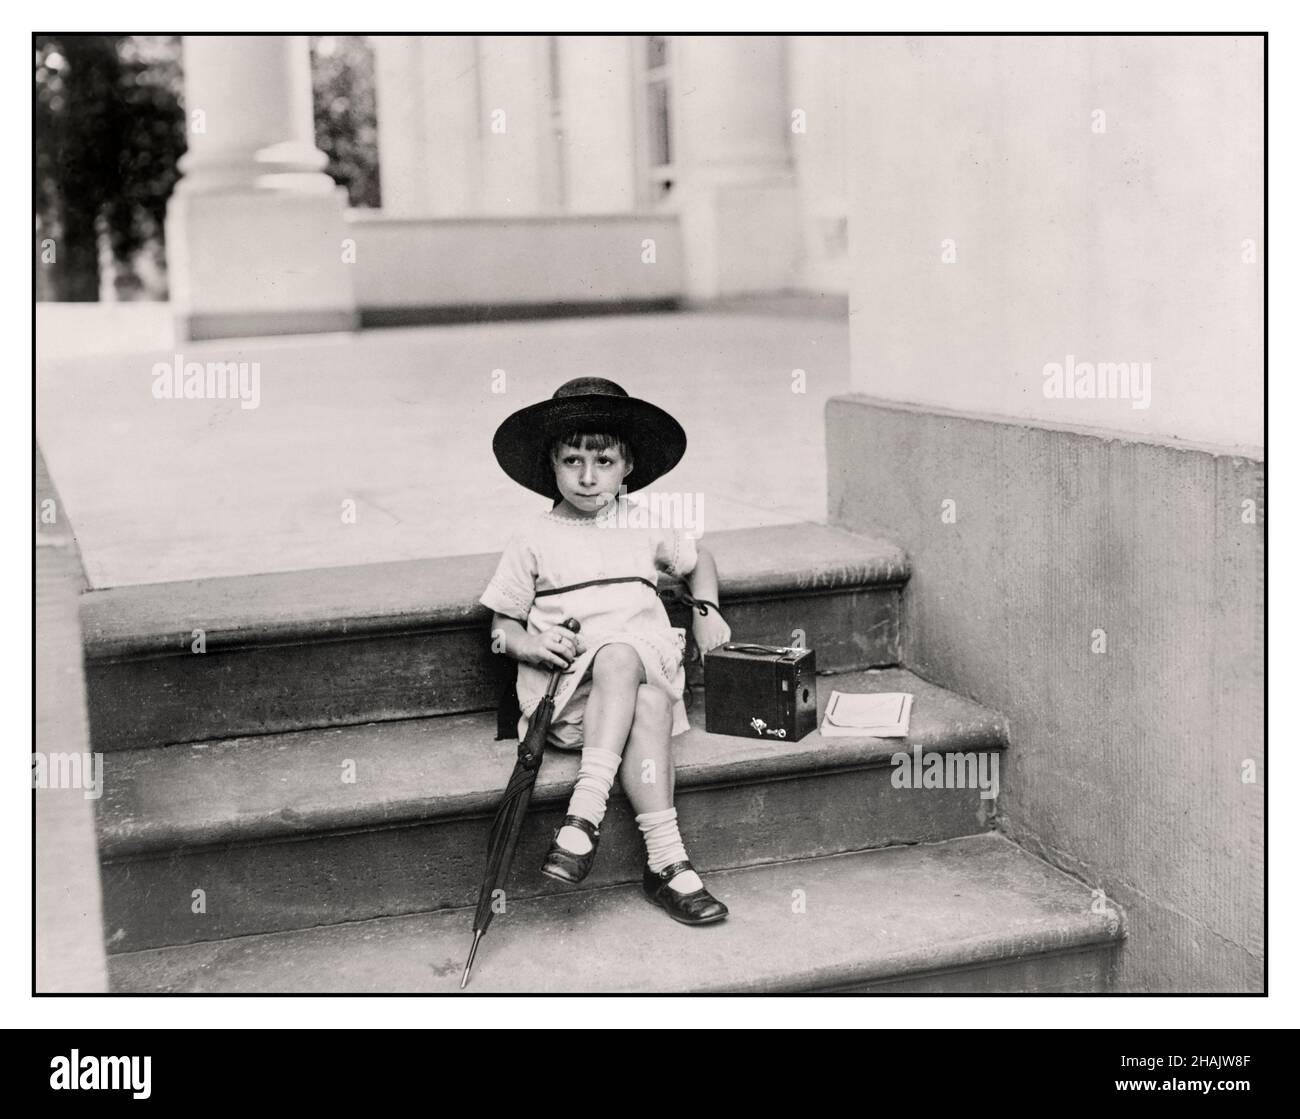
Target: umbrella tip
470	962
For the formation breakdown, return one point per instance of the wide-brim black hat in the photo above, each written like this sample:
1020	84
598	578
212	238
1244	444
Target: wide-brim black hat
522	442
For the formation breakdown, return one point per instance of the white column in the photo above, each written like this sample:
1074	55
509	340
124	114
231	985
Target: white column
429	124
598	116
399	116
255	228
736	186
452	115
520	158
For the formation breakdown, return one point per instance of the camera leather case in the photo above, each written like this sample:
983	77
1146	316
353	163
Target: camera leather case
760	691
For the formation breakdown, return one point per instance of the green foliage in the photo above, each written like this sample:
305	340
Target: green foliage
343	93
110	127
109	130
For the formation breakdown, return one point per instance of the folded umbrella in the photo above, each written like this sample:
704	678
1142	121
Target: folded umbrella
503	836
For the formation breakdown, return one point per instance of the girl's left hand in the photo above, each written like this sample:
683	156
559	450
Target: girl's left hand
710	631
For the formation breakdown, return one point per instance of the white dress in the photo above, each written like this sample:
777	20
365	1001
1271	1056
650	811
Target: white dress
552	551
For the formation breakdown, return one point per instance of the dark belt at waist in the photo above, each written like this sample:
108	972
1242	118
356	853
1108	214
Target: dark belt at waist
597	583
679	594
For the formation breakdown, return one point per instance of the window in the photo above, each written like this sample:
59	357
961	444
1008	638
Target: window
658	117
555	123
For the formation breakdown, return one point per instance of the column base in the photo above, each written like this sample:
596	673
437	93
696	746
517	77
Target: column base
740	239
251	262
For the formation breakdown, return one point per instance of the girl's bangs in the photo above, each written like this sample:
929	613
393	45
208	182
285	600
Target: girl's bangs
592	441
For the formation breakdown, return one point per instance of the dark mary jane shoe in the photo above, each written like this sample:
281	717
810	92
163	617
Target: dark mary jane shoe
565	865
697	908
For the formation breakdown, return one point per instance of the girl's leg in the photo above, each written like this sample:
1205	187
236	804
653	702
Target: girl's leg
616	674
647	773
648	780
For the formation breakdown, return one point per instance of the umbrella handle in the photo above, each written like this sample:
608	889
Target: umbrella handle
552	685
525	755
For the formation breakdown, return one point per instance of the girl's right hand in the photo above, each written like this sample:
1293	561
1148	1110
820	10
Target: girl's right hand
555	647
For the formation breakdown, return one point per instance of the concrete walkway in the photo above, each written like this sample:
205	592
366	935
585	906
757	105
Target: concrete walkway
399	422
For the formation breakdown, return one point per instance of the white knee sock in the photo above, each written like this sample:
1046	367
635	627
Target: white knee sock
596	774
663	846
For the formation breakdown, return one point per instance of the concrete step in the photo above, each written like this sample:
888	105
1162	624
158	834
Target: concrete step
347	645
976	914
276	838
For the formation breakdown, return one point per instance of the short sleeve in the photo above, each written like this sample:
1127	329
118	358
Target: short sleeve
675	551
510	590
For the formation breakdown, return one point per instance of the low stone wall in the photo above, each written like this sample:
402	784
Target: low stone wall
1106	595
432	269
69	942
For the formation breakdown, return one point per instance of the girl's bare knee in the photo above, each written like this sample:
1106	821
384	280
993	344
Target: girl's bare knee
616	665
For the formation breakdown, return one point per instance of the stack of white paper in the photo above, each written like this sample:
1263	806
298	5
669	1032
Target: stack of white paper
876	715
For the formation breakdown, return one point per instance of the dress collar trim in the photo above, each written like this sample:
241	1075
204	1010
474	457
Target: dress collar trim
604	518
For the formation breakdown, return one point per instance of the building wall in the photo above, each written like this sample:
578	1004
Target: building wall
1092	570
817	89
1117	246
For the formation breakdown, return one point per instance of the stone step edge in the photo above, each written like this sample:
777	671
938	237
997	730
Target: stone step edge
943	722
1075	926
158	619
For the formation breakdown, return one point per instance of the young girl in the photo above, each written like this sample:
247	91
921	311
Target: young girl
591	557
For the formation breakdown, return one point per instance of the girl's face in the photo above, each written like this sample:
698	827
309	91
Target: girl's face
589	479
